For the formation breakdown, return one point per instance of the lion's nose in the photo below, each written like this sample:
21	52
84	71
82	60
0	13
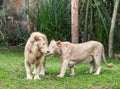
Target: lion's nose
48	51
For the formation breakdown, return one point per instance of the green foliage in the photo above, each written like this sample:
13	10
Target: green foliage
116	44
94	21
13	75
53	19
14	34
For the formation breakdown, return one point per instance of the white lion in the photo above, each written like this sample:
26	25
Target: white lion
71	54
35	50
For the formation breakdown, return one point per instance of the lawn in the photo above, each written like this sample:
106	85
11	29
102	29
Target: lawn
13	76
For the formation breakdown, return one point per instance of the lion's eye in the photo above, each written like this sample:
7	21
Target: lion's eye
53	47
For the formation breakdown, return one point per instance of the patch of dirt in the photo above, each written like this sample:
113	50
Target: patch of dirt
95	86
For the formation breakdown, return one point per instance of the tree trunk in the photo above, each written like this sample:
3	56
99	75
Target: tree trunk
111	34
74	21
23	4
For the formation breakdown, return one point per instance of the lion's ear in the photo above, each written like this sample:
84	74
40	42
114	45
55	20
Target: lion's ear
52	40
58	43
36	38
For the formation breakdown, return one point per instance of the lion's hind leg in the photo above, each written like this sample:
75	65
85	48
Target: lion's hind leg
92	67
98	65
72	71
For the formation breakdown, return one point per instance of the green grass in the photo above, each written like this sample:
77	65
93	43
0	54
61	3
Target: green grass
12	75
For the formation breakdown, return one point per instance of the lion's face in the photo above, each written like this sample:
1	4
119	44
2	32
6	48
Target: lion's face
41	44
53	47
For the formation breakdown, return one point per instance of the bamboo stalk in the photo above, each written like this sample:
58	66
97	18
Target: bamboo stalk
111	34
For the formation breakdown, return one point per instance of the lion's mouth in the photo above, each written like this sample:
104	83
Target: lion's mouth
50	54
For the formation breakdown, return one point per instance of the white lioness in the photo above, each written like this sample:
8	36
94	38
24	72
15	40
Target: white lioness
71	54
35	50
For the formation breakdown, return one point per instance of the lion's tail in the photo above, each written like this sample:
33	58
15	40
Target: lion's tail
110	65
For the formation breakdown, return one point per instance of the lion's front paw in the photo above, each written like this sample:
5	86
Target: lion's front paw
96	73
37	77
42	73
72	74
29	77
33	72
60	76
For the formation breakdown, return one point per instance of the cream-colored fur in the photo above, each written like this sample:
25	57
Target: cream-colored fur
71	54
35	50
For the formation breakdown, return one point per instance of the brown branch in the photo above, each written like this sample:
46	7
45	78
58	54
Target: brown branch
3	37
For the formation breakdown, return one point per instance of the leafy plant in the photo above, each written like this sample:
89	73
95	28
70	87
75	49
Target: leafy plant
53	19
94	21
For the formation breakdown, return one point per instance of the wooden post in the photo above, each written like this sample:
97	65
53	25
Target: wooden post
74	21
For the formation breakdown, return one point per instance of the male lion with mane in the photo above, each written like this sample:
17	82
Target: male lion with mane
71	54
35	50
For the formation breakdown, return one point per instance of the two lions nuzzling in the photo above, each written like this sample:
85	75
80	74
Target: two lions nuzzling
71	54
